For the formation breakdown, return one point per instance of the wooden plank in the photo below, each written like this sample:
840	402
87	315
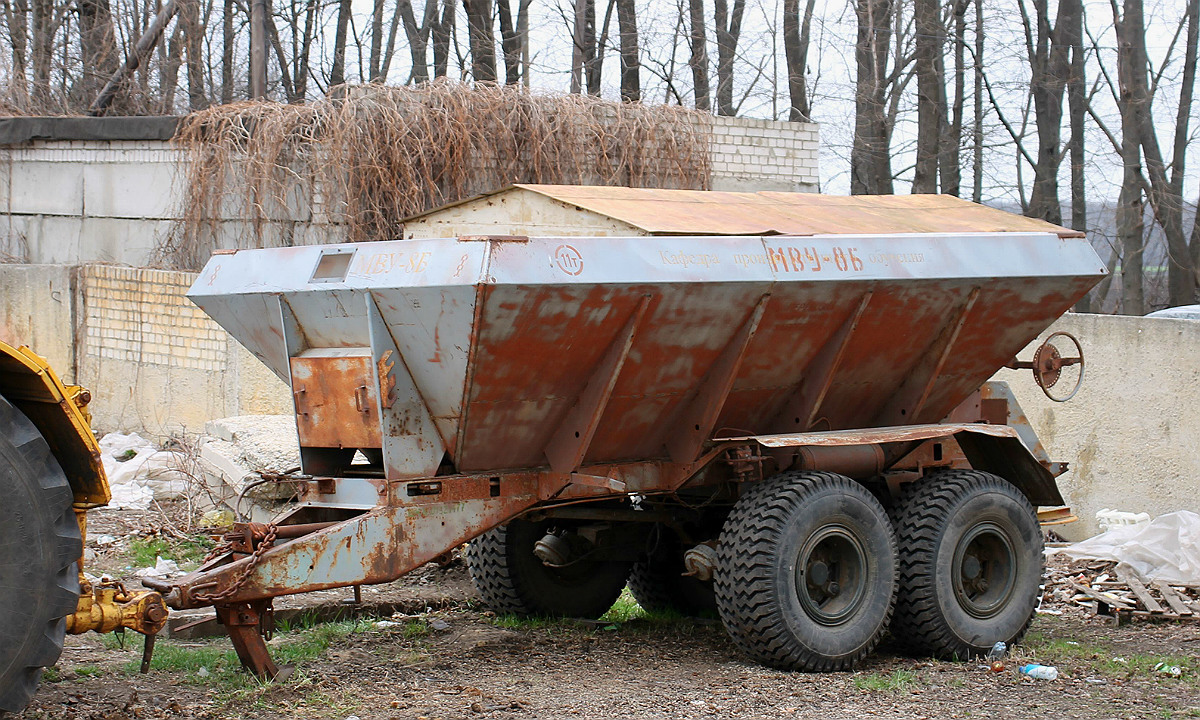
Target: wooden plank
1142	593
1177	603
1103	597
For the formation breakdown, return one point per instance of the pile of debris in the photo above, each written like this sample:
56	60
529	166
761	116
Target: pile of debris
1148	569
219	474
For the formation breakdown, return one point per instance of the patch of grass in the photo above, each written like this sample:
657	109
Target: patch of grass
893	682
526	622
144	552
87	671
221	664
624	609
52	674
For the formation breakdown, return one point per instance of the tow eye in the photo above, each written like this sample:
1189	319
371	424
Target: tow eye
1048	362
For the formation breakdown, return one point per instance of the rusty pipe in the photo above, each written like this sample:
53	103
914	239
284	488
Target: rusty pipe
856	461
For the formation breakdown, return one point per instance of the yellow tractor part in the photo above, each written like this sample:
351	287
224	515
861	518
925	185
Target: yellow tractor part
59	412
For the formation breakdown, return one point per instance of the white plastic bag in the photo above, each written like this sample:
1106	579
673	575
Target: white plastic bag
1167	548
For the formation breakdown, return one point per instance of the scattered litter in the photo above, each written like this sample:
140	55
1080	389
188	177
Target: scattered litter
1168	670
217	519
995	657
1116	518
102	540
1039	672
439	624
203	672
386	624
162	568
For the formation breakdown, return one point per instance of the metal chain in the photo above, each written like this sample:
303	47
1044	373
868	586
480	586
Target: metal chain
245	573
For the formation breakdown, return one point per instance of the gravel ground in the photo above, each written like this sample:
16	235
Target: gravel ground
459	662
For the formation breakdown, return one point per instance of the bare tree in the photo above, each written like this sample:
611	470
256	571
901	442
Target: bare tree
796	37
337	75
931	93
870	158
631	81
698	60
482	40
728	31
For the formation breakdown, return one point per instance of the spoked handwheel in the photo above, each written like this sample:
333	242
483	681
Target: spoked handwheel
1057	360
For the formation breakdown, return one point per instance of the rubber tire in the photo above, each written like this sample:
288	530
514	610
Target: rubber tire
512	580
932	516
756	571
39	548
658	584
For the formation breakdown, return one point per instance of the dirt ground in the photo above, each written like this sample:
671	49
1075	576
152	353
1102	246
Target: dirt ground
456	661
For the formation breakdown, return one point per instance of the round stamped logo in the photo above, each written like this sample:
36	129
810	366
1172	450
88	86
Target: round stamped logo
568	259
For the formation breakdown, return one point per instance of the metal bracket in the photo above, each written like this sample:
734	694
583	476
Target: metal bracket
802	408
694	425
412	446
569	444
905	406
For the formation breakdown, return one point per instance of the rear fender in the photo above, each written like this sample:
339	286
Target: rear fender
60	413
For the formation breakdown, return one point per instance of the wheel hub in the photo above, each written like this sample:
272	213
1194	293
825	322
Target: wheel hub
831	571
984	570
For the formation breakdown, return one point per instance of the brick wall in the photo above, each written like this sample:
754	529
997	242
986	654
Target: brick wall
143	316
764	155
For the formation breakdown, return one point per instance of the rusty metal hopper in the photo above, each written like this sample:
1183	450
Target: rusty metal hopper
510	353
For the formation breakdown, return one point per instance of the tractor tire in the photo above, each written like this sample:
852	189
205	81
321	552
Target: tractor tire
39	548
970	564
806	572
512	580
658	584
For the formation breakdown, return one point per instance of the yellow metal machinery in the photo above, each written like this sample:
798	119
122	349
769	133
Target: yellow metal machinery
60	414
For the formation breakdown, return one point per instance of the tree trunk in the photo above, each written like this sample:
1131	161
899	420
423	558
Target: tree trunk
482	40
699	56
193	37
1077	105
227	41
949	161
729	31
418	37
441	34
510	43
931	88
1049	58
1129	203
870	157
303	67
631	81
796	34
376	57
337	75
97	45
977	126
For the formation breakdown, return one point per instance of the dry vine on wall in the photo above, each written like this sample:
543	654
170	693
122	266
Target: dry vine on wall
266	172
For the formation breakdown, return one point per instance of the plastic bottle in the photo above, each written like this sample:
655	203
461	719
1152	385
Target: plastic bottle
995	656
1040	672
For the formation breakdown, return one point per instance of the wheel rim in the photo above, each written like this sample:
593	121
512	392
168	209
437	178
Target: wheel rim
831	573
985	570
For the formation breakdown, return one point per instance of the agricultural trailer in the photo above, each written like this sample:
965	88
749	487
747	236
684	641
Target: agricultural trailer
795	433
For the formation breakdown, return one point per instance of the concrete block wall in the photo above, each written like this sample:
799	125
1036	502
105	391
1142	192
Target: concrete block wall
114	201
